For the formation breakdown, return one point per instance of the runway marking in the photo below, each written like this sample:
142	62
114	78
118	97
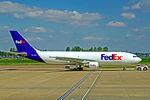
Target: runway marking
73	88
91	86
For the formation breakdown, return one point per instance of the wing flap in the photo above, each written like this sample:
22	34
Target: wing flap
73	60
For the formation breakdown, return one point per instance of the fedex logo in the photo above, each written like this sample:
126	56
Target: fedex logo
112	57
20	42
93	65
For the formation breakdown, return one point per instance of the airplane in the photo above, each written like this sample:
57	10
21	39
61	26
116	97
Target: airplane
92	59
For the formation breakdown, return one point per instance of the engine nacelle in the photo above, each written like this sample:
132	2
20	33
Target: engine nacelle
93	65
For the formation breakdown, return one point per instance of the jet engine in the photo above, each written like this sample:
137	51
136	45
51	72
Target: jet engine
92	65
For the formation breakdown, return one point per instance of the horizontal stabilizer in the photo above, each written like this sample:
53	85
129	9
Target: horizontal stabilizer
18	53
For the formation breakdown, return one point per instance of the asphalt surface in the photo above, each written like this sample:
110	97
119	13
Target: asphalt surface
52	82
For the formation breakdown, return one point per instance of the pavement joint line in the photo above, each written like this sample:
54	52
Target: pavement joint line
91	86
75	86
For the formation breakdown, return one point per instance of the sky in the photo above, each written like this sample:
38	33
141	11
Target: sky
121	25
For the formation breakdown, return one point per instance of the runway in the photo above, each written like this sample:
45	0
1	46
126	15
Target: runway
51	82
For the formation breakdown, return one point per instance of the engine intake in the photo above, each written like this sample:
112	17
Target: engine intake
93	65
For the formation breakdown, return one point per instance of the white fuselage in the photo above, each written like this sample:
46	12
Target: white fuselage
93	58
121	58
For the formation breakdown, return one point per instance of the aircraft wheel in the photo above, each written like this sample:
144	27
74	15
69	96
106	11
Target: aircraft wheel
145	68
139	69
80	68
75	69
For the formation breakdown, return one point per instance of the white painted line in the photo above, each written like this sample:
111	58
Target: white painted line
91	86
73	88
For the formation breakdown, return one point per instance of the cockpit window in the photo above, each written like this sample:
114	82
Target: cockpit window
134	56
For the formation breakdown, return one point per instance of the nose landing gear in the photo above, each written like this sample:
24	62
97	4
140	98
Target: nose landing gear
142	67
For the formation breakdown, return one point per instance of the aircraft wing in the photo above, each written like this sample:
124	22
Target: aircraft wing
18	53
73	60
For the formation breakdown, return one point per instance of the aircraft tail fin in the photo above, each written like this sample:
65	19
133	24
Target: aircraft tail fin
21	44
24	48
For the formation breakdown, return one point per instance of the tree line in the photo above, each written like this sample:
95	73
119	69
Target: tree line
75	48
7	54
78	48
3	53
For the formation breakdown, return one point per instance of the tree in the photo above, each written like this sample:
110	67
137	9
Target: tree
12	49
3	53
68	49
82	49
73	49
95	49
76	48
105	49
91	49
99	49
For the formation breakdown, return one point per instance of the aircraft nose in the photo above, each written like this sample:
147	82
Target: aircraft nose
139	59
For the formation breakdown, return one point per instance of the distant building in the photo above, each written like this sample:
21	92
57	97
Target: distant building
143	54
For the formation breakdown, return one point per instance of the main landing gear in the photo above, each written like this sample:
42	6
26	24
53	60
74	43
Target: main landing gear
124	68
77	68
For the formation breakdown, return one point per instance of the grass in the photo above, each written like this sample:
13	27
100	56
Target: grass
25	61
117	66
19	61
145	60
